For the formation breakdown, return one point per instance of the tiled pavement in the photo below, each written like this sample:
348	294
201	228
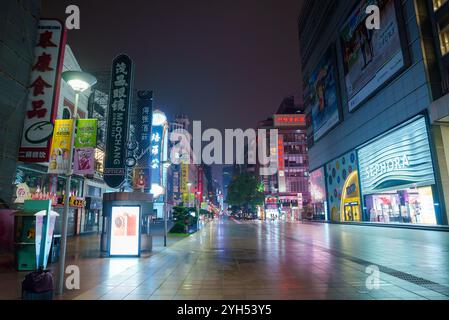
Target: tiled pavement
276	261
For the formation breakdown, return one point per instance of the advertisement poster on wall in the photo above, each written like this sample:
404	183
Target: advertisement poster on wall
60	148
318	194
125	231
321	95
371	57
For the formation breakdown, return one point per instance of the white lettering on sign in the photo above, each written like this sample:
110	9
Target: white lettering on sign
390	165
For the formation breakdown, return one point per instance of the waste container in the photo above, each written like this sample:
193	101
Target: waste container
38	285
55	248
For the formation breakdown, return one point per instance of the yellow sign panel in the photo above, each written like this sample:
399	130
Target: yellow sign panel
184	178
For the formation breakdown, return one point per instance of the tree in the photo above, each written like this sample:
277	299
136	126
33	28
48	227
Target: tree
244	191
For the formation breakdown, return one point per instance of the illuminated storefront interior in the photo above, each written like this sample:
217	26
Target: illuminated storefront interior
397	176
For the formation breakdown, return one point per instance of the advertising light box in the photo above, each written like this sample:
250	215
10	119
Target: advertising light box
398	159
125	231
371	57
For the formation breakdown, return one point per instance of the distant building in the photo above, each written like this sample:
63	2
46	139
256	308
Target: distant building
287	191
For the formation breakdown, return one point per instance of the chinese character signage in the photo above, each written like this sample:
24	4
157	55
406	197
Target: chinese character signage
143	125
184	178
157	136
60	149
43	93
292	120
118	121
85	143
281	165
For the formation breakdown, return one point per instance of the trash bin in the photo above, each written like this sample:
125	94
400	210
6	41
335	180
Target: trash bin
38	285
55	248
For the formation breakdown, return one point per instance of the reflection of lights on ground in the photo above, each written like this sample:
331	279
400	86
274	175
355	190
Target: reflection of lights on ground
117	266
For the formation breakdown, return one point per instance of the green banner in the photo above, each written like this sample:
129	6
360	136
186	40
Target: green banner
86	134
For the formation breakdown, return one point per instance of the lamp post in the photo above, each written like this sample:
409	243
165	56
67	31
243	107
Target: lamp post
166	165
79	82
189	186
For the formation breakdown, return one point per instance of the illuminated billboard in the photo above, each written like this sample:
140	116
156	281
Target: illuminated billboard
401	158
125	231
371	57
321	96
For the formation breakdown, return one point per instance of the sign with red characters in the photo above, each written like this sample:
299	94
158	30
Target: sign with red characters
289	120
43	93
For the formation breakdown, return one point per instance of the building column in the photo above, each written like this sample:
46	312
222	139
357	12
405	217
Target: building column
441	140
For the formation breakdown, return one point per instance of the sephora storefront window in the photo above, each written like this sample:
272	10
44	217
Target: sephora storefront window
397	177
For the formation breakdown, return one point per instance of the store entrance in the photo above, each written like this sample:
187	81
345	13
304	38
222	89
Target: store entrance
352	211
415	206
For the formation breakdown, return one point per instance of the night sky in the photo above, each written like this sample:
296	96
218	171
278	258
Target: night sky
228	63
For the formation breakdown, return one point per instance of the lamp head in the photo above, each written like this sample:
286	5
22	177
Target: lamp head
79	81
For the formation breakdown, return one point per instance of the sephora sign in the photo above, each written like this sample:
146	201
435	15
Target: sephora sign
401	158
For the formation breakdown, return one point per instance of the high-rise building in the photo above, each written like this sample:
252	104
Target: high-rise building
378	138
287	191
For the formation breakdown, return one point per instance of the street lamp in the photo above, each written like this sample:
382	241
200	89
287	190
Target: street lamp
189	186
166	165
79	81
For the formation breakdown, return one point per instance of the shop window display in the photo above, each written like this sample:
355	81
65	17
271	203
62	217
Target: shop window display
414	206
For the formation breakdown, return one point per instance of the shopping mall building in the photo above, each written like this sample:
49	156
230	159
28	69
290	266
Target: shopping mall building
377	110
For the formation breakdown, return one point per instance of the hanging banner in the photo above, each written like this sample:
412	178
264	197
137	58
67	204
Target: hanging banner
118	121
85	143
60	149
144	119
86	133
184	189
43	93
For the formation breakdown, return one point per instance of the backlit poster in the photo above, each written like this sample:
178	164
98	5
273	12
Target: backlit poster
371	57
321	96
125	231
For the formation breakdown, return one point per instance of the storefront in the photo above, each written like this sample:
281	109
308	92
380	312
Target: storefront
272	208
397	176
41	186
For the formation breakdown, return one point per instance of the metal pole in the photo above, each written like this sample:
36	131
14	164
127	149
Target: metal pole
65	213
165	216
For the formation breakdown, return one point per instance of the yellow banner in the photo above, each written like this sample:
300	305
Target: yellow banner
60	147
184	178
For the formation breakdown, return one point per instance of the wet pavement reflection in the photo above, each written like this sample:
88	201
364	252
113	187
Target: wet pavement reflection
275	260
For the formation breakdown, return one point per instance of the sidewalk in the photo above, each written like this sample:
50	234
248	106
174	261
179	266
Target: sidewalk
84	252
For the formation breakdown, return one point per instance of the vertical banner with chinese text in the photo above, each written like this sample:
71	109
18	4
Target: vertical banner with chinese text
118	121
43	93
144	117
